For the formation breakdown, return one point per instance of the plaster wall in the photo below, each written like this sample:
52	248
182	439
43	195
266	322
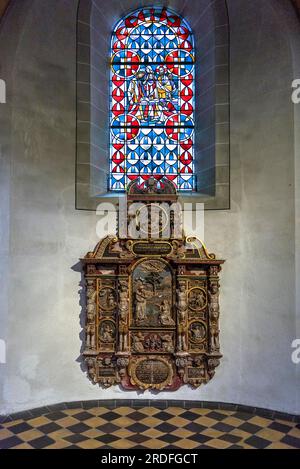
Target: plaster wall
42	235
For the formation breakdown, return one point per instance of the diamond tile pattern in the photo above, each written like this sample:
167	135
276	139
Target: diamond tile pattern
149	428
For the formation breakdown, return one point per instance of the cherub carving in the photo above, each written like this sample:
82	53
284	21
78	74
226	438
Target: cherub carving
123	301
137	342
213	294
91	314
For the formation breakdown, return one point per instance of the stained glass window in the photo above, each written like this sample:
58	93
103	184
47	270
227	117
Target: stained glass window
152	99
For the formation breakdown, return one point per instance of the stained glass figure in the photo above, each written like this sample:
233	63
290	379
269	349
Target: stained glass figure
152	99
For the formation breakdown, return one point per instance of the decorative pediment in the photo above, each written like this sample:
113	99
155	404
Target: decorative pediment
188	248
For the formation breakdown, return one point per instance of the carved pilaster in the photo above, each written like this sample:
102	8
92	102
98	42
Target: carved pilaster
90	327
181	306
123	315
214	311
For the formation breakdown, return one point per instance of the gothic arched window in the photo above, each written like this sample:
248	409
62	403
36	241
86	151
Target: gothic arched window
152	99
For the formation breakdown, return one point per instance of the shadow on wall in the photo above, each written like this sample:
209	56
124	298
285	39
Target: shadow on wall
82	303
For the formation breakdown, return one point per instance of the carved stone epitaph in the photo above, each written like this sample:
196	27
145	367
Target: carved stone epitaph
152	302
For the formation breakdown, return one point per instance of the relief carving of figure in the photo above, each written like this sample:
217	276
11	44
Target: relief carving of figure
137	342
182	363
197	298
214	312
214	338
107	332
123	314
107	298
178	249
165	314
122	363
212	364
152	294
167	343
90	335
91	364
91	314
213	294
197	332
214	270
123	337
153	342
141	296
198	361
182	343
123	301
181	302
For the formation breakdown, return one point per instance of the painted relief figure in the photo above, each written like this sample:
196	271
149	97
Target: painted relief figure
165	314
197	298
152	293
197	332
107	299
107	331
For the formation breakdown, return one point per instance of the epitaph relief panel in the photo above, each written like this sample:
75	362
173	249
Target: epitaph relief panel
152	294
152	306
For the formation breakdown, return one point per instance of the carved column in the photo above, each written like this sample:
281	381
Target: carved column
181	306
123	315
91	311
214	309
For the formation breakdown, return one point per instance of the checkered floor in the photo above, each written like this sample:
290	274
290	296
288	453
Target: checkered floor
149	428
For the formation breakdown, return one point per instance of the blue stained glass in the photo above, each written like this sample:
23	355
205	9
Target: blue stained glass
152	99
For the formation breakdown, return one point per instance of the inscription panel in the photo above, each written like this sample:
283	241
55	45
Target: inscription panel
150	249
152	372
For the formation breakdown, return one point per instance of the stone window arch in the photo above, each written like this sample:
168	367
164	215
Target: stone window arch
209	23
